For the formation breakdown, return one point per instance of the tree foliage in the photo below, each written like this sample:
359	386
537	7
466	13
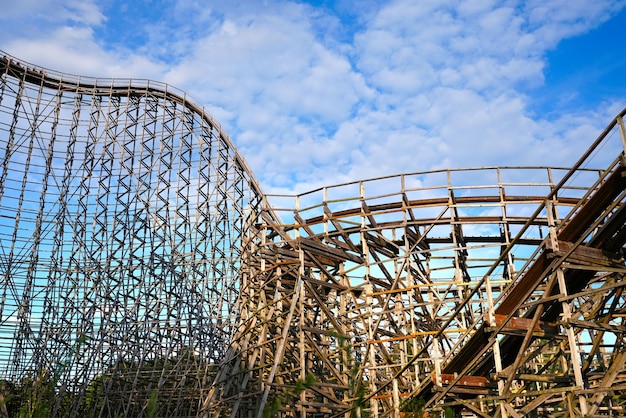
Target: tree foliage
165	386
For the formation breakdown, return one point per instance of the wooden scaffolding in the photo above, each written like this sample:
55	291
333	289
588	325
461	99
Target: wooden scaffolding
123	208
145	273
490	292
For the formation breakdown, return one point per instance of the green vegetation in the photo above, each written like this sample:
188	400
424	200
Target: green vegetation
356	385
30	397
39	395
160	387
279	401
413	408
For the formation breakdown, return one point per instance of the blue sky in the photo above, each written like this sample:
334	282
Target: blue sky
322	92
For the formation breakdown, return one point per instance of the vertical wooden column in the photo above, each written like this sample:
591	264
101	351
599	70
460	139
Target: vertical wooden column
302	307
496	347
369	302
437	361
573	344
411	288
622	131
510	266
508	274
567	314
458	272
371	352
396	399
301	337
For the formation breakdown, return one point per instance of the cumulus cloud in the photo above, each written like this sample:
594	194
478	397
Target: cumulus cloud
63	36
270	61
316	95
473	67
78	11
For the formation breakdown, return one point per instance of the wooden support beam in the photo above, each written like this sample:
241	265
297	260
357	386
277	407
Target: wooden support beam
470	381
341	377
545	378
466	390
510	410
598	326
519	326
539	400
335	255
329	285
470	404
615	369
584	255
382	245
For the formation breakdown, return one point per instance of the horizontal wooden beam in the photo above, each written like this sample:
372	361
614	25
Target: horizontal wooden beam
471	381
522	325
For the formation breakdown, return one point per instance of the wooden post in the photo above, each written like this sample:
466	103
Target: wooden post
396	399
573	345
622	130
496	348
567	314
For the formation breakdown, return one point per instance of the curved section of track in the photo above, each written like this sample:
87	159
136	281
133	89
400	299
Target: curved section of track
123	211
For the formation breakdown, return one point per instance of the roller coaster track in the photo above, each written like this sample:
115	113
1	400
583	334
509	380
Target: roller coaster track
145	270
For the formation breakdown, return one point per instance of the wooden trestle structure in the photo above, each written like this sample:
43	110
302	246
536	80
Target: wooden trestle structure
145	273
123	211
490	292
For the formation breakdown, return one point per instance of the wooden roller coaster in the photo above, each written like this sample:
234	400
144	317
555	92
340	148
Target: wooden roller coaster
146	274
434	295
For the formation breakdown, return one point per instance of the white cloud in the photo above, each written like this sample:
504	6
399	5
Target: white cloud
80	11
61	36
312	100
74	51
486	59
271	62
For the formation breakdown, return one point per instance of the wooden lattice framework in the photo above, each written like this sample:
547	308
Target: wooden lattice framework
495	291
145	274
123	212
